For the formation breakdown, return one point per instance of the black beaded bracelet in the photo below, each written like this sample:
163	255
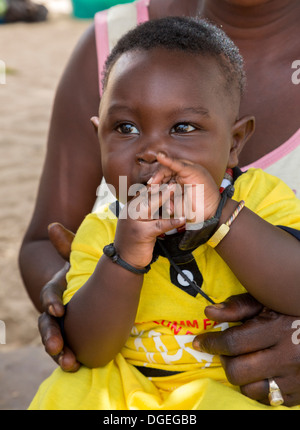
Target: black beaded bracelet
111	252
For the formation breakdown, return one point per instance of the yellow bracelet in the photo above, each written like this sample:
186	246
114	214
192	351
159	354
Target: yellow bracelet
224	228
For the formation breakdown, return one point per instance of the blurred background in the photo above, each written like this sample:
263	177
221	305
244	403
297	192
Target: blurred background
33	55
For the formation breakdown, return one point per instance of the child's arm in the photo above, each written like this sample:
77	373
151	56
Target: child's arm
265	259
101	314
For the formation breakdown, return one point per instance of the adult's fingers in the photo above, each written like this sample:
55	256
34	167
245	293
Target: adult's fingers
253	335
252	372
260	391
52	293
61	238
249	368
52	339
236	308
51	334
67	360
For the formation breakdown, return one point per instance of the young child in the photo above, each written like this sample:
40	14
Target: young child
136	296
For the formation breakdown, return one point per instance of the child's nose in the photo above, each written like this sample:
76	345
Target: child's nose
149	153
148	157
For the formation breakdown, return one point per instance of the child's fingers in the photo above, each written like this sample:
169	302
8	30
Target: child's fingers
170	168
172	163
148	204
161	199
162	176
161	226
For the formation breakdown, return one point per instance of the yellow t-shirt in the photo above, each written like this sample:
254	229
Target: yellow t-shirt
167	320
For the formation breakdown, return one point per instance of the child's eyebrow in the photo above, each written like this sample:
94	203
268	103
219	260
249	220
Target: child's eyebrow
115	107
199	110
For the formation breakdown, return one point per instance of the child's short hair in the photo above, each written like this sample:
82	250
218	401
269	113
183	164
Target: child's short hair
190	35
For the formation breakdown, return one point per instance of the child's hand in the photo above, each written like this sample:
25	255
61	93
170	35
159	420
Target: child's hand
139	224
141	221
198	203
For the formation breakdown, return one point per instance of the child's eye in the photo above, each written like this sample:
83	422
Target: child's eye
183	128
127	128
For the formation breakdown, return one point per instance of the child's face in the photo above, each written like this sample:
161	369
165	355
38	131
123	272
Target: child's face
165	101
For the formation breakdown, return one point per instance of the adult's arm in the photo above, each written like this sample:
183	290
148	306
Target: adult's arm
72	168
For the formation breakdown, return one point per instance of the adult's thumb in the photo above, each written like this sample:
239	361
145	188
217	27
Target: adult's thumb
236	308
61	238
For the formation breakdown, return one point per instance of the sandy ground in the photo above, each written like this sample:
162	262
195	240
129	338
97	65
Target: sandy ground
34	56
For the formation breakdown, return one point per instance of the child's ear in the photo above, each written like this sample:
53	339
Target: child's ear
241	132
95	121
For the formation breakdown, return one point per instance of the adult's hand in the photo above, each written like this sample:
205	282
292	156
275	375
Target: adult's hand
262	347
51	299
